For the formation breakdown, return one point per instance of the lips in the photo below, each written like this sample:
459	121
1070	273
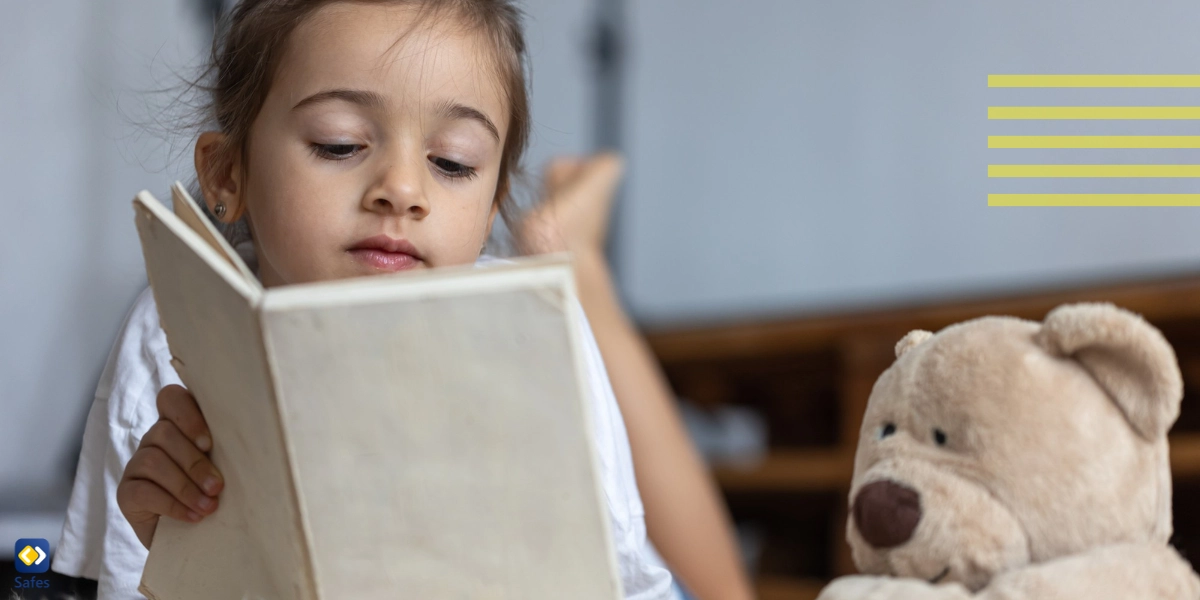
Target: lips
386	253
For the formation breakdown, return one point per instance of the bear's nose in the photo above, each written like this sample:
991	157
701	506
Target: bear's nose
886	513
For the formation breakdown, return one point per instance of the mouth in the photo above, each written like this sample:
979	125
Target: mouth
386	254
940	576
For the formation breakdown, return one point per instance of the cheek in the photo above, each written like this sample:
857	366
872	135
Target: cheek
285	239
464	220
291	220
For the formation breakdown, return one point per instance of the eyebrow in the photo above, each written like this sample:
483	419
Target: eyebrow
449	109
453	110
359	97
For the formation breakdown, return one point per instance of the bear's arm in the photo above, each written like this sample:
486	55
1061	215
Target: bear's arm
1118	572
874	587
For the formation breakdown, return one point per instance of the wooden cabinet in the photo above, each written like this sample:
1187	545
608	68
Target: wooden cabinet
811	377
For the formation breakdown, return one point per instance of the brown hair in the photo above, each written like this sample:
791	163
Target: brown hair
251	39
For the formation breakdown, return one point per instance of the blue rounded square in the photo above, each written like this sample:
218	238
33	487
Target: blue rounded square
31	555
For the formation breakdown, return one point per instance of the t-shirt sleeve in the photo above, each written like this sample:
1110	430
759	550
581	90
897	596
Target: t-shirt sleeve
642	575
97	542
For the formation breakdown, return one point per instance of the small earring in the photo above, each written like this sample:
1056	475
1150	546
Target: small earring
219	210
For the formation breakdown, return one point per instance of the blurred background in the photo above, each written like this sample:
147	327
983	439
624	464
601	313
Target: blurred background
806	182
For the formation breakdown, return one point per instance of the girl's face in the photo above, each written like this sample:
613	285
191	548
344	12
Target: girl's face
377	148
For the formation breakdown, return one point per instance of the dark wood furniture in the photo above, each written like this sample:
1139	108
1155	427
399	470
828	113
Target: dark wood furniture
810	377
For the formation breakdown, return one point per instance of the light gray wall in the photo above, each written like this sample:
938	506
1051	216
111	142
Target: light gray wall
557	35
75	151
795	156
561	97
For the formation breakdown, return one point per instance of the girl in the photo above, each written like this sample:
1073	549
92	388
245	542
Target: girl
355	138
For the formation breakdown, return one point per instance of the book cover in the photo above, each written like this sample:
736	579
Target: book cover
418	435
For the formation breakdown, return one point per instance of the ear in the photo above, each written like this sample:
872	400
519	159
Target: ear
219	170
911	340
1128	357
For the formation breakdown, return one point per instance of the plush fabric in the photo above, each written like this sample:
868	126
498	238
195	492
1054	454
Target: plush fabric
1008	459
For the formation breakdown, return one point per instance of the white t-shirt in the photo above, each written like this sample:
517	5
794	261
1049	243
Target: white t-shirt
98	543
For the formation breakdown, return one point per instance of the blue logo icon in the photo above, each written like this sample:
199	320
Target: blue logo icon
33	555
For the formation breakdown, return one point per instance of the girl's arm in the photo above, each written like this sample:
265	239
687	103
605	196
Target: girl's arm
685	518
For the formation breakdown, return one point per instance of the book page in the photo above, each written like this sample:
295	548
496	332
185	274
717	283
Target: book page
251	547
189	212
440	436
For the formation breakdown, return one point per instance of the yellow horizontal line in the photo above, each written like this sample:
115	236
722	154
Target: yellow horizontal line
1094	81
1094	141
1094	112
1093	199
1093	170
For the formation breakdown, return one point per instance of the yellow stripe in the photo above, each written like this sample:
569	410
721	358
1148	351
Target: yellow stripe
1093	199
1093	170
1094	112
1094	81
1094	141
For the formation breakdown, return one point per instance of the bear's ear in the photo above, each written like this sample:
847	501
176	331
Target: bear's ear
911	340
1128	357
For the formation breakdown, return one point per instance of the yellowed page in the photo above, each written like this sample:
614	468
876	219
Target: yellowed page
440	436
252	546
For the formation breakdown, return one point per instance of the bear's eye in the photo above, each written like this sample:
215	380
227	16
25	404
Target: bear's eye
939	437
887	430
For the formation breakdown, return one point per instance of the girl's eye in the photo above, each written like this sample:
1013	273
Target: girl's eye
336	151
939	437
451	168
887	430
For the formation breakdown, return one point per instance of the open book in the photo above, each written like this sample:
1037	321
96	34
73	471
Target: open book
416	436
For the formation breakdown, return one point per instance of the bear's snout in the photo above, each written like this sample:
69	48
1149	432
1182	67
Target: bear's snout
886	513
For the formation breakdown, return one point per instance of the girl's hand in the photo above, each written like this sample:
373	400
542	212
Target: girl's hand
170	473
577	199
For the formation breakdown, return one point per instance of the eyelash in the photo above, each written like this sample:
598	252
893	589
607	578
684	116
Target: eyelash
448	167
327	151
452	169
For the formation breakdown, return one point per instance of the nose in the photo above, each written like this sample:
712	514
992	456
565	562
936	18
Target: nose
398	190
886	513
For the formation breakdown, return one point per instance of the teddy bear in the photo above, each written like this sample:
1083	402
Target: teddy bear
1007	459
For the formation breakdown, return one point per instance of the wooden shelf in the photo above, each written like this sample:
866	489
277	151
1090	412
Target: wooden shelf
790	470
1155	299
810	377
831	470
1185	455
786	588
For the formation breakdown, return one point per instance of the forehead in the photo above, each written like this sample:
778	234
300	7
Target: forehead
412	58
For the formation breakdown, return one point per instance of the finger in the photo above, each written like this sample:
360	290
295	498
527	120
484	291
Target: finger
152	464
142	501
195	464
177	405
